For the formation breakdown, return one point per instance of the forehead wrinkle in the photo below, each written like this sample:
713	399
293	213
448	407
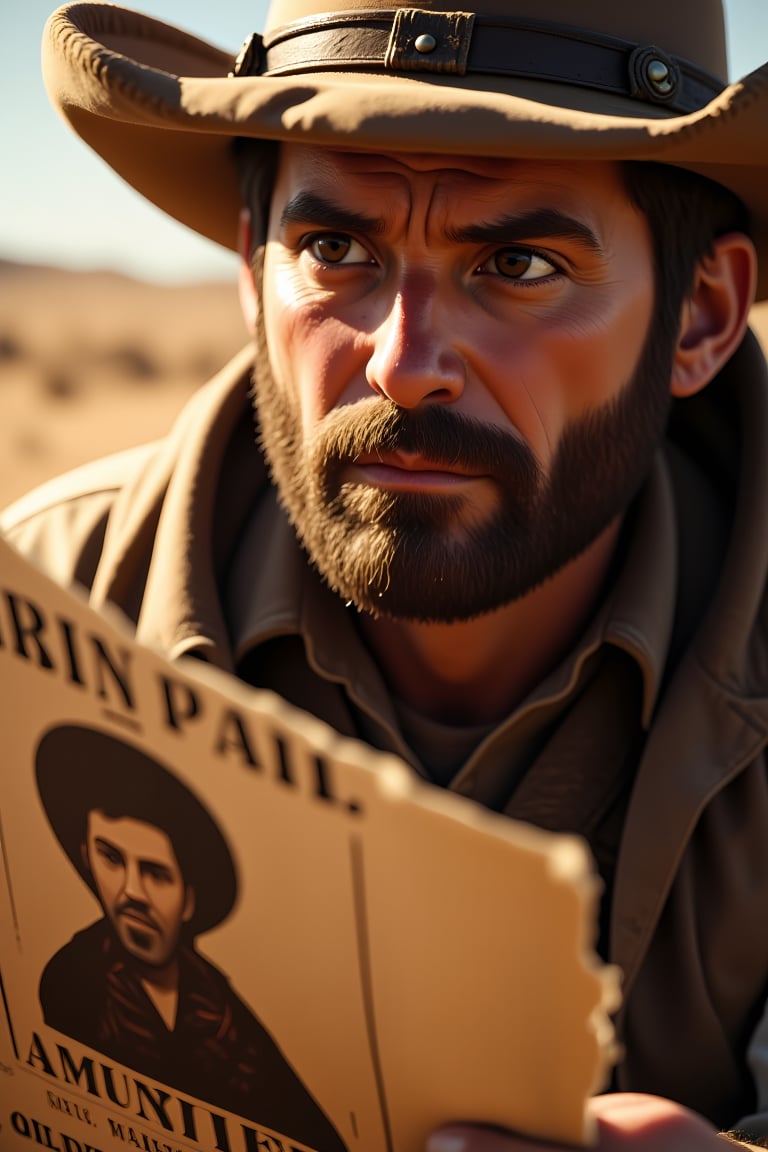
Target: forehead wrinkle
340	162
418	204
436	199
397	185
399	204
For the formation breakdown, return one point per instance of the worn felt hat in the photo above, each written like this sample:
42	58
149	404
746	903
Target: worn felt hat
593	79
81	770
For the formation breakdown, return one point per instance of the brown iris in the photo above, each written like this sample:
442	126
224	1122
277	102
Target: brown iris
331	248
513	262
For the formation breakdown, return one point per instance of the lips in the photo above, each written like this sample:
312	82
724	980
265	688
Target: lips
138	919
413	464
397	472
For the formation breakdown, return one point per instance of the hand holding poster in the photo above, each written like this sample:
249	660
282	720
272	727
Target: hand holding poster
225	928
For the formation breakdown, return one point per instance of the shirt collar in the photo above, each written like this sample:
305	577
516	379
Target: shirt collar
274	591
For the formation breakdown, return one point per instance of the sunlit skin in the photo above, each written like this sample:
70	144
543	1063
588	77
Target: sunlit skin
519	293
378	283
141	889
623	1121
420	313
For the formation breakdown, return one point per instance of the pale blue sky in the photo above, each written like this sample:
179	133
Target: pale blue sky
60	204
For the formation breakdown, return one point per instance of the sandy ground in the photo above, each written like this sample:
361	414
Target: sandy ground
94	362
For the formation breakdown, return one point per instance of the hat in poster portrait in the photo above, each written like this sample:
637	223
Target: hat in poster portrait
81	769
591	79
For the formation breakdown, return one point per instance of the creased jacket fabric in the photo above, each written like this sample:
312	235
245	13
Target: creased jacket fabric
158	530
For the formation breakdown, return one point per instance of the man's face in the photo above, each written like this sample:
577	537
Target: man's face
459	395
139	884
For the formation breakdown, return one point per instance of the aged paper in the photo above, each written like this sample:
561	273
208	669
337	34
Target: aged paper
225	928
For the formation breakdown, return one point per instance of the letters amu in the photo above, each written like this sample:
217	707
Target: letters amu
173	1114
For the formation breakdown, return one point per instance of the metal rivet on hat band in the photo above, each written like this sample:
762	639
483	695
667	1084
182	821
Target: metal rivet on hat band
427	41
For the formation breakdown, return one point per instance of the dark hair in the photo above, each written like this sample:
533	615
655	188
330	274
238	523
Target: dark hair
686	213
256	163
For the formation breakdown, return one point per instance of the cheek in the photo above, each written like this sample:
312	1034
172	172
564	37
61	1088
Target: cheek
619	340
611	346
315	357
580	360
168	903
107	885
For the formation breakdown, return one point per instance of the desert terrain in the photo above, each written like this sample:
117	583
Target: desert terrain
91	362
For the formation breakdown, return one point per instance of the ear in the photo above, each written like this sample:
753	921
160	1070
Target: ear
715	314
188	910
249	296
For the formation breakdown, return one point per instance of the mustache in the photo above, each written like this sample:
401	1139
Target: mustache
435	432
139	910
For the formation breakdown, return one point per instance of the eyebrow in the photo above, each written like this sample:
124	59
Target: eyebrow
102	842
309	208
542	222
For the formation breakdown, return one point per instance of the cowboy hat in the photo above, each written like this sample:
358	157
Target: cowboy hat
81	770
591	79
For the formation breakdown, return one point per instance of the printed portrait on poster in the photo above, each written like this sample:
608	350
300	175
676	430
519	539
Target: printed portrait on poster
133	985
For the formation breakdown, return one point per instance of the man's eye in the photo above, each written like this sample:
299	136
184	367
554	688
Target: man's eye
110	855
337	248
520	264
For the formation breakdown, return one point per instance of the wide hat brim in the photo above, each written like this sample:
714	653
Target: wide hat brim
81	769
162	109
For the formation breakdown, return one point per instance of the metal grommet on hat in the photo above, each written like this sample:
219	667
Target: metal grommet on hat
653	75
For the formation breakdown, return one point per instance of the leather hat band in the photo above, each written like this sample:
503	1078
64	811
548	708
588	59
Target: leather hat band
462	43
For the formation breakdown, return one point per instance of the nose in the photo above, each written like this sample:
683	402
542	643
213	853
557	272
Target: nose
133	881
413	359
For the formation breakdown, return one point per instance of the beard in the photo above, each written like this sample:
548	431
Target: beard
430	557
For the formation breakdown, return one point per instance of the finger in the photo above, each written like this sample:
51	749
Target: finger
633	1120
483	1138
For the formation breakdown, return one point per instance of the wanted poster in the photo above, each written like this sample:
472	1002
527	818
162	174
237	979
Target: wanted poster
224	928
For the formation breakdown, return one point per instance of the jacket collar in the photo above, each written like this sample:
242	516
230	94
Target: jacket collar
713	719
168	538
